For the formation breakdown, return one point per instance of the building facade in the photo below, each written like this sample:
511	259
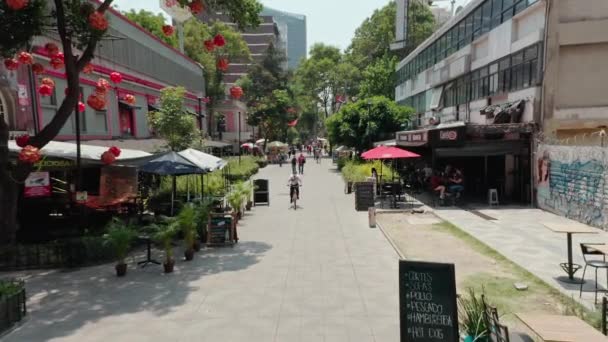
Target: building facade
147	65
292	28
475	85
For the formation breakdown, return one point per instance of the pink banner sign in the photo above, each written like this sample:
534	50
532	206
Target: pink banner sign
37	184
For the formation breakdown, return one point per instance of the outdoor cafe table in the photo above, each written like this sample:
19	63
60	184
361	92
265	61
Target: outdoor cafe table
557	328
570	229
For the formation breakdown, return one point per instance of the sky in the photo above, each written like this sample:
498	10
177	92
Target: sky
331	22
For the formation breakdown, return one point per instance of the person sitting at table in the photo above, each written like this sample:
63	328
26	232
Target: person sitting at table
456	183
437	184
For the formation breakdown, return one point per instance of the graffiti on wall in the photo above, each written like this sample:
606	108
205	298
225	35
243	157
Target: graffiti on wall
571	181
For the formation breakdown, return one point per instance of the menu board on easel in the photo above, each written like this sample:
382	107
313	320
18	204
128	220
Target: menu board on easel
427	302
219	230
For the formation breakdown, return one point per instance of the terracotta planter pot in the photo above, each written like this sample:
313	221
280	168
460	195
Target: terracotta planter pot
189	254
197	246
169	266
121	270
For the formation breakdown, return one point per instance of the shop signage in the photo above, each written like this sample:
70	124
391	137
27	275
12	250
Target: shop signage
37	184
450	135
55	164
412	138
427	302
24	99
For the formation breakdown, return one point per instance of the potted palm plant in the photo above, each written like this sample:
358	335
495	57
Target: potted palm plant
247	190
120	236
471	319
164	236
235	199
186	220
202	218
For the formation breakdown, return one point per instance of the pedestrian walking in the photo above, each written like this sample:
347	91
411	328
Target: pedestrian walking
301	161
294	161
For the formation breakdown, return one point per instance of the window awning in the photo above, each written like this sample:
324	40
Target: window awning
128	105
496	148
509	112
153	108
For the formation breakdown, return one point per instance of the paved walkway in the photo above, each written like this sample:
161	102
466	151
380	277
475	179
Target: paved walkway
519	235
316	274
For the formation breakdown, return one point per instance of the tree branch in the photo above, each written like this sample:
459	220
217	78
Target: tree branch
89	51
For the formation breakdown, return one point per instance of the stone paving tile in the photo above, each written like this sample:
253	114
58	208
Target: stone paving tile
315	274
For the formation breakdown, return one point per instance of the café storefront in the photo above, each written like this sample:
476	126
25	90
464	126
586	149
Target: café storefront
490	156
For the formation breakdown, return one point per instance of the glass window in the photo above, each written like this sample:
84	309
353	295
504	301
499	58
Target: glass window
468	33
486	16
461	34
496	13
520	6
531	53
477	22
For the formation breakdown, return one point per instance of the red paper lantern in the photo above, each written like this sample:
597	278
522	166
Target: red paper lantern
222	64
48	81
116	77
236	92
108	158
168	30
45	90
29	154
88	69
219	40
51	48
96	101
102	86
209	45
81	107
26	58
22	140
130	99
196	6
37	68
16	5
115	151
57	61
11	64
98	21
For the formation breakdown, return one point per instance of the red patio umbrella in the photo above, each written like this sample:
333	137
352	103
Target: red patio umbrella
388	152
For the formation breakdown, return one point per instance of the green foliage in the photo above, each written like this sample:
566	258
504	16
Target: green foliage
244	170
356	171
120	236
17	28
272	114
186	221
172	122
9	287
471	316
361	123
153	23
164	235
378	78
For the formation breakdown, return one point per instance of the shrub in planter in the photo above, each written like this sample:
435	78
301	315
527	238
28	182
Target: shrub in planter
186	220
12	302
120	236
473	325
164	236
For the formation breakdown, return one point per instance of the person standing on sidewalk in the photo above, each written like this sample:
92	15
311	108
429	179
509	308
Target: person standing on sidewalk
294	162
301	162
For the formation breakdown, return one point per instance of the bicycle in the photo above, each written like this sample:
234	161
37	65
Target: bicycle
294	189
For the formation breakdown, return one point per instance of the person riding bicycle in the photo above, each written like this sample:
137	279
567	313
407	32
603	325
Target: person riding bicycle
294	182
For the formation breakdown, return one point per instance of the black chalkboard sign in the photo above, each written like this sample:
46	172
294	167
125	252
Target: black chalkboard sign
364	196
219	228
427	302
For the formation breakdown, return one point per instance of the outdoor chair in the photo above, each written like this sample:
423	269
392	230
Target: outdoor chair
588	253
497	331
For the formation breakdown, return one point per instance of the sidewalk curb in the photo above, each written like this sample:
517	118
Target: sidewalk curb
390	240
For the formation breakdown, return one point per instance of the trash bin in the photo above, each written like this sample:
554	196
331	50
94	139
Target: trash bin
371	213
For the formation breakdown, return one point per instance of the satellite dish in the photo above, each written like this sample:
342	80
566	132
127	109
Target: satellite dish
177	12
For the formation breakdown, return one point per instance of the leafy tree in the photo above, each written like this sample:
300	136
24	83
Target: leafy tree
359	124
326	77
272	114
378	78
69	19
172	122
153	23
